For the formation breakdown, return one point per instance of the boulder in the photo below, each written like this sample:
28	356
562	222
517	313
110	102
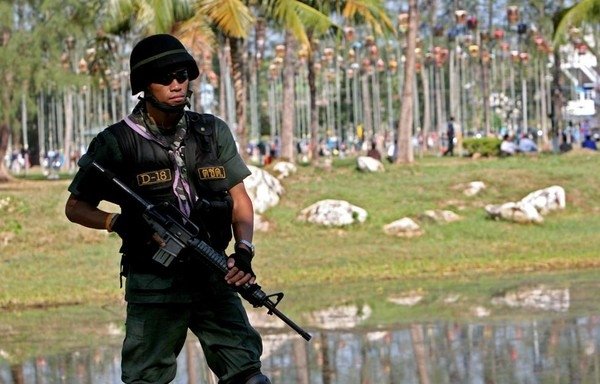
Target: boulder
343	317
369	164
334	213
474	188
536	297
260	224
440	216
531	208
284	169
517	212
405	227
548	199
263	188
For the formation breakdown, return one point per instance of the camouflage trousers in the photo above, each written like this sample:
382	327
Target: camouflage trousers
156	333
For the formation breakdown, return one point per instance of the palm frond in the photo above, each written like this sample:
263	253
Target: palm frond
582	12
196	34
232	17
298	17
372	11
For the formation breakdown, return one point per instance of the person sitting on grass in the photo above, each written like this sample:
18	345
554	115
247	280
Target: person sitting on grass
374	152
527	145
507	147
589	143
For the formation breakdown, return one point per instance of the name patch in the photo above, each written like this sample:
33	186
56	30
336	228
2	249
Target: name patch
154	177
211	173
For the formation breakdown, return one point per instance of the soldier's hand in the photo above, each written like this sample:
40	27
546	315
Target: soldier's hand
240	268
158	239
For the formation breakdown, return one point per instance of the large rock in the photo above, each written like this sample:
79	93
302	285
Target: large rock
335	213
260	224
537	297
369	164
264	189
344	317
517	212
405	227
284	169
548	199
474	188
531	208
439	216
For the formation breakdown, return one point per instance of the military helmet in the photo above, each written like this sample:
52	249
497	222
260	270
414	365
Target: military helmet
155	54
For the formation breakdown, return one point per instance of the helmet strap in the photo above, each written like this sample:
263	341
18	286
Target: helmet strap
164	107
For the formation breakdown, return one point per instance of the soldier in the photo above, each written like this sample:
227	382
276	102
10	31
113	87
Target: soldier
167	154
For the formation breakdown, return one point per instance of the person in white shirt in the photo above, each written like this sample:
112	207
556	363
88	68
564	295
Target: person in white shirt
507	147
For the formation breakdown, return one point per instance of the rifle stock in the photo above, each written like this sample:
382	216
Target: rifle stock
180	233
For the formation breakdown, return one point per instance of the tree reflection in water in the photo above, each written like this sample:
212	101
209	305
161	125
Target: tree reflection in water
541	351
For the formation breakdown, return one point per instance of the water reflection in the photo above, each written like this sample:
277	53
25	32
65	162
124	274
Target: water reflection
564	350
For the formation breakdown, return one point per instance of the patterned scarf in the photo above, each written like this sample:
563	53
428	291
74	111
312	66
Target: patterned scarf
144	125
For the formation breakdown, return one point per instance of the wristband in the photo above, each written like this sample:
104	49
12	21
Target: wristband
248	245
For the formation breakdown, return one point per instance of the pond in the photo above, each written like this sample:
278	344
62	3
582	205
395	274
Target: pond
538	350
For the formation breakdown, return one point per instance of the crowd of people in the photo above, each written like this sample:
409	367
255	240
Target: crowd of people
264	151
52	161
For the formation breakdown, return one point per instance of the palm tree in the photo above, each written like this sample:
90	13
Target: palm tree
292	16
404	139
233	19
299	20
42	34
191	21
288	110
585	11
147	16
371	11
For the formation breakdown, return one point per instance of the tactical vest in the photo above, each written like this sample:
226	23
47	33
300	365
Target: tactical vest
148	170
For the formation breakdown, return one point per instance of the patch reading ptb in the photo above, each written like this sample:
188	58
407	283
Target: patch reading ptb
211	173
154	177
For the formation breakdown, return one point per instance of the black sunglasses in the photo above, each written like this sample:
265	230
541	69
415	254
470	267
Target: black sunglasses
167	78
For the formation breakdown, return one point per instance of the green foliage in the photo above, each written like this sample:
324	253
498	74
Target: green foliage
36	33
485	146
584	11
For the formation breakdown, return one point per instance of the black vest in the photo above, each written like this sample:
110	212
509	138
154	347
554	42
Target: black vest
147	170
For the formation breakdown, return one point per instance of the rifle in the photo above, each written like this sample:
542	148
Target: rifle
180	233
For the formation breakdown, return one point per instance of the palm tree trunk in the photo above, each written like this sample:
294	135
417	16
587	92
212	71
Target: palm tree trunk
288	110
314	112
367	106
41	122
439	107
239	85
69	125
485	90
543	106
4	135
425	73
557	102
404	145
419	348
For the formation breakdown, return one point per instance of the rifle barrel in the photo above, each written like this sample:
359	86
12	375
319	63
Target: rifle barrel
272	309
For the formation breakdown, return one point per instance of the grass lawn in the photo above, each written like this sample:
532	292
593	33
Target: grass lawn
47	262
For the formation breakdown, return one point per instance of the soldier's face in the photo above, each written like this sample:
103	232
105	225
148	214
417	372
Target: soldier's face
171	87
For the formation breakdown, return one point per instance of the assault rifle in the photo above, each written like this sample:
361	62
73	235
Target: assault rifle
180	233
